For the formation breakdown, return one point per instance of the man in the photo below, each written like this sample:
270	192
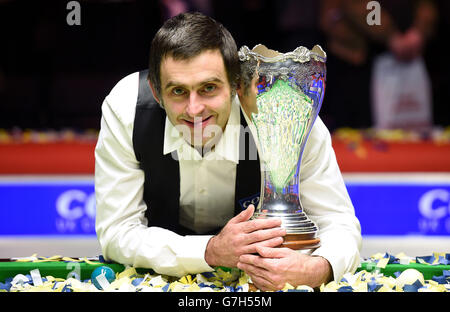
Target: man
166	183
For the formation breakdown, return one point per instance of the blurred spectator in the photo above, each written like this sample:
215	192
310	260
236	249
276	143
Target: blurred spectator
352	44
55	75
401	87
249	21
297	24
66	70
171	8
438	64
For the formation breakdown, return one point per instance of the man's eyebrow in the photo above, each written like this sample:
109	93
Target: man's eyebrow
173	83
212	79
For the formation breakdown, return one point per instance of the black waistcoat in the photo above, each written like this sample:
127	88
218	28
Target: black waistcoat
162	172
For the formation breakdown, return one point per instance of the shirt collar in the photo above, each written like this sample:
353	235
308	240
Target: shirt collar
227	148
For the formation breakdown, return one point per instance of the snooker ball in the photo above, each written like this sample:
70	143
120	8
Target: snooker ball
100	274
409	277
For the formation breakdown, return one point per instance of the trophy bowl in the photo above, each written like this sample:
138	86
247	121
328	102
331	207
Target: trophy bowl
290	90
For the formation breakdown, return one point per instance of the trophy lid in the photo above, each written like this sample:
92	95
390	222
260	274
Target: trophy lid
264	51
300	54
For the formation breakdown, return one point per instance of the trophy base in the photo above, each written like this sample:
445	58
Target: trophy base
300	241
252	287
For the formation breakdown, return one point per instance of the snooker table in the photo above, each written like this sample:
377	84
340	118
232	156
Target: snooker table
64	267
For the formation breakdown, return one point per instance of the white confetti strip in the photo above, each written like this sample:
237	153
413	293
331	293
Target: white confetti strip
102	281
36	277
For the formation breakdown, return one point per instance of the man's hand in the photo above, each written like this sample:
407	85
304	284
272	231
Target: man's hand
243	236
274	267
406	47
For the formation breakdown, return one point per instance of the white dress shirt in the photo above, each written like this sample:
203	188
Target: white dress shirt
207	186
206	198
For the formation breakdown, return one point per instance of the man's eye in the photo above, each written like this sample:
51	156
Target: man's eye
178	91
209	88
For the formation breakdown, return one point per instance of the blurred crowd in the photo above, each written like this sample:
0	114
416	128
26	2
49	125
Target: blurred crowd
55	76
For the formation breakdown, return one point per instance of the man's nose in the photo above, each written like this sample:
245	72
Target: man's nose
194	106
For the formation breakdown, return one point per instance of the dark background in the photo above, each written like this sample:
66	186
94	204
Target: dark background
55	76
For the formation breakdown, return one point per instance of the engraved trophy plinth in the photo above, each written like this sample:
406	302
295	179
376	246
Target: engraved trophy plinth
290	90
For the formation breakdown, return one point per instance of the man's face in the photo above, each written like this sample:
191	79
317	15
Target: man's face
247	96
196	95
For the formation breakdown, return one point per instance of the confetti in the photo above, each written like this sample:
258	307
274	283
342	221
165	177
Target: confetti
230	280
36	277
23	136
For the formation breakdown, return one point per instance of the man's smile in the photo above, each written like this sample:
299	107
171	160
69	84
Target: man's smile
198	122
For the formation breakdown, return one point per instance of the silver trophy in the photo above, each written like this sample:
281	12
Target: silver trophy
290	90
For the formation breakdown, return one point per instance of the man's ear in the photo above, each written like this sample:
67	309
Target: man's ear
240	89
155	95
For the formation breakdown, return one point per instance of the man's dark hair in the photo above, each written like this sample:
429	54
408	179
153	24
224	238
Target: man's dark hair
247	74
187	35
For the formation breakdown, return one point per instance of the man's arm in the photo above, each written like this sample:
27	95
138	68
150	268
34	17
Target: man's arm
326	201
120	222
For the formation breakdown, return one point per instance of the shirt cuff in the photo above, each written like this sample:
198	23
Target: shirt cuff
336	265
192	254
341	262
